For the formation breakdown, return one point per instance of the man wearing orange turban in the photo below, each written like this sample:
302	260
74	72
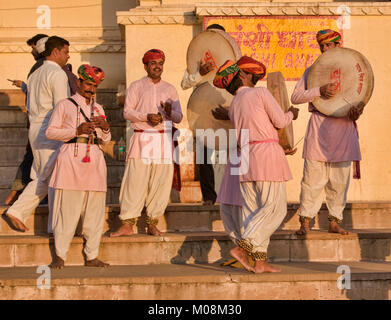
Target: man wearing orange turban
152	105
330	145
261	181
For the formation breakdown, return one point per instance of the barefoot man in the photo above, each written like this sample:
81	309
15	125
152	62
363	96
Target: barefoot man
264	168
330	146
151	105
46	86
79	176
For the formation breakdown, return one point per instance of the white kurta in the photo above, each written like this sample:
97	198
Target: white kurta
46	87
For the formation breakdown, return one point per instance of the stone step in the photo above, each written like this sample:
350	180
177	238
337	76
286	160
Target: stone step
12	97
201	247
10	114
12	153
13	133
196	217
296	281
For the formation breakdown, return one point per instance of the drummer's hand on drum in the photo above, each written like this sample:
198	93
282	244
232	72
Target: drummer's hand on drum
355	113
290	152
205	68
295	112
328	90
167	107
154	119
220	113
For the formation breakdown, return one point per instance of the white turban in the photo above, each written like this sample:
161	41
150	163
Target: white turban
40	46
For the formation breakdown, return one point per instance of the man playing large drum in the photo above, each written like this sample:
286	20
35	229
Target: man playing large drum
330	145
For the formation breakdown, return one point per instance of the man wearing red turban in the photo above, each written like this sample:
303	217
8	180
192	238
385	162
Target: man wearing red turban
80	174
152	105
330	145
263	170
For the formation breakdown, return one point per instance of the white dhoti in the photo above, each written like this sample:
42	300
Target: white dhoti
37	189
263	211
232	220
333	178
146	185
68	207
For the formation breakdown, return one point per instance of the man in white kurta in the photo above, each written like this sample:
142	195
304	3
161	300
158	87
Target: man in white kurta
46	87
151	105
79	177
206	169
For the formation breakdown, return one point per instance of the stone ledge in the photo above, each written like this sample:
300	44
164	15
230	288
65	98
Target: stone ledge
293	9
193	14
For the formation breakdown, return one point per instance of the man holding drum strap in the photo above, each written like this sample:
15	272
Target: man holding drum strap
330	145
264	168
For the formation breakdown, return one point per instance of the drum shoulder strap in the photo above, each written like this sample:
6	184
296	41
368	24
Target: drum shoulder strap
82	112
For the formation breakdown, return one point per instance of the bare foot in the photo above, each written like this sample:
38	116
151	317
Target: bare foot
304	228
125	230
335	228
11	197
262	266
153	230
96	263
241	255
17	223
57	263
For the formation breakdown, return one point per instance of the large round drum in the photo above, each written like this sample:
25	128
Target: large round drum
203	100
352	75
214	46
276	85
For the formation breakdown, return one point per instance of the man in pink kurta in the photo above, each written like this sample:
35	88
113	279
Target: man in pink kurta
151	105
264	168
79	176
330	145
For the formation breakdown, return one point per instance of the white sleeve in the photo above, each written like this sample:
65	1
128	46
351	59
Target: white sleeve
190	80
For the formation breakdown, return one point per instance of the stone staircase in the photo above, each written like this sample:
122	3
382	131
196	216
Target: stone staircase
185	262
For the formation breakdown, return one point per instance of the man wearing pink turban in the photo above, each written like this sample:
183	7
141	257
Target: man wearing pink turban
79	175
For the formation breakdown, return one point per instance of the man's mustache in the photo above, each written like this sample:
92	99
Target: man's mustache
89	92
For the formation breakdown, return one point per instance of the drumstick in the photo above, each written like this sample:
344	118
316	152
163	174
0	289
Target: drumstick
360	106
298	142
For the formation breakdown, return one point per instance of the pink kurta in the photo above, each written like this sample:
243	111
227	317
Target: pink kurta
327	139
229	192
143	97
256	109
70	173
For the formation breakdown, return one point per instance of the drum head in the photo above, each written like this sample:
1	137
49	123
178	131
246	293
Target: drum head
203	100
276	85
214	46
350	71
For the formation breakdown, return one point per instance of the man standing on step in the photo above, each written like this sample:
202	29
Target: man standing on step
207	179
79	177
264	168
151	105
46	86
330	146
22	177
